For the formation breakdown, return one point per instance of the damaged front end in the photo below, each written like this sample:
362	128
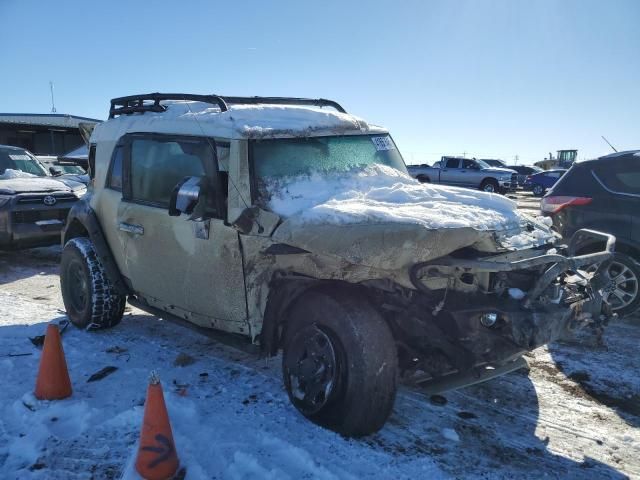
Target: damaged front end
472	317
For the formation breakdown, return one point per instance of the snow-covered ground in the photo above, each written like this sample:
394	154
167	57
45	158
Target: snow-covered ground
575	414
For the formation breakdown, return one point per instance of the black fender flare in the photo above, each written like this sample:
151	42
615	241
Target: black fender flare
82	215
284	292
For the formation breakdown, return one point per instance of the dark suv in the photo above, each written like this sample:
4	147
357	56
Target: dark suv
604	195
33	206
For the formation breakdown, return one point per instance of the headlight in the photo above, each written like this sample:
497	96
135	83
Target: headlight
80	192
4	199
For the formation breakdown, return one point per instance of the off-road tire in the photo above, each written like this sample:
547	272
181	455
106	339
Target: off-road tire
538	190
363	395
423	179
88	296
489	182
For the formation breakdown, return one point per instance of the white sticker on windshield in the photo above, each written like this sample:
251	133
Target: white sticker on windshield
383	143
19	157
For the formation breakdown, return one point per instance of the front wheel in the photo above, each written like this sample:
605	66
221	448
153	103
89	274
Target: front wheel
340	363
90	300
489	186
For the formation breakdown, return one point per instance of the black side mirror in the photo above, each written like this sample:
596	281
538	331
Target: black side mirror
55	171
185	196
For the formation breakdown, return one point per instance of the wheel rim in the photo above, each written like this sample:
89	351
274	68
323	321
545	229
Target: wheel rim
311	369
77	286
622	286
537	190
489	188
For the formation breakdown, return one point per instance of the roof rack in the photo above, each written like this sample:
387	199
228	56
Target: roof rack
315	102
140	103
150	102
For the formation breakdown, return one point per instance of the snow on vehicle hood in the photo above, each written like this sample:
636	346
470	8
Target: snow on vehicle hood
16	181
426	221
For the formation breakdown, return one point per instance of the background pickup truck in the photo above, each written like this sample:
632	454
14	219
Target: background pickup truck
466	172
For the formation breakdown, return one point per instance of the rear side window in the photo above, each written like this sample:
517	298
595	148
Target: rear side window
158	165
622	176
452	163
92	161
115	173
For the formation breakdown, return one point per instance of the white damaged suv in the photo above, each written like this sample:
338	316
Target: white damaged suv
295	224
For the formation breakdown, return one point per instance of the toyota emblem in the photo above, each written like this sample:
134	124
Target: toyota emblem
49	200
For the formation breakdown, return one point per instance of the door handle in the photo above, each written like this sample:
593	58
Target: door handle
131	228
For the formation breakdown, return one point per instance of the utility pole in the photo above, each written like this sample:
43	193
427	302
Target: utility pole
53	104
517	159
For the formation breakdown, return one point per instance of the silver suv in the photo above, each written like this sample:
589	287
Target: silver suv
296	225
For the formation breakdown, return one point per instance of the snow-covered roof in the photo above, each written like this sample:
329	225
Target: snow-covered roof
239	122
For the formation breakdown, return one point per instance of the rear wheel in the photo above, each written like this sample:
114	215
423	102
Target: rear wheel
340	363
538	190
90	300
489	185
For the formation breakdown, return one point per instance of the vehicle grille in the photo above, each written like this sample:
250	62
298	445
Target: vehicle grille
32	216
40	198
514	179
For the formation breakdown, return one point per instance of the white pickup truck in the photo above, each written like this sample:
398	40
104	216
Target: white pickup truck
466	172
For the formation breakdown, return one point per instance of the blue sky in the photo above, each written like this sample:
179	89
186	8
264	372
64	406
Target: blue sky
495	78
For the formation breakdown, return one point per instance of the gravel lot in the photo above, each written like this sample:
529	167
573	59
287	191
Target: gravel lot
574	414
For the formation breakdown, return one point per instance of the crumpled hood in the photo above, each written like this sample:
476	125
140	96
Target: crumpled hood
383	218
12	186
384	246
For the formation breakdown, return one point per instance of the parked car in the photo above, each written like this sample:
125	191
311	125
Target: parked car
539	183
494	162
524	171
300	229
466	172
604	194
33	206
64	171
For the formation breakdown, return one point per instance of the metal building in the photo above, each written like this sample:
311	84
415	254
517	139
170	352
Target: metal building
42	133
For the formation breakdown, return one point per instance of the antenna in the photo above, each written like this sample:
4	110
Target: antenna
614	148
53	104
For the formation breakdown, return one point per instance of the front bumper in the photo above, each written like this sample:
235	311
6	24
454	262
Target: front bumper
557	301
26	222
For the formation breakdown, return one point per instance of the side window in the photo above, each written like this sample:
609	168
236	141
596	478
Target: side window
115	172
622	176
452	163
157	165
92	161
468	164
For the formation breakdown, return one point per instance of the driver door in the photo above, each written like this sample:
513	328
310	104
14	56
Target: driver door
179	265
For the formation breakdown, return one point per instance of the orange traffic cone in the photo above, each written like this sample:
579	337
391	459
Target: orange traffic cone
53	381
157	458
